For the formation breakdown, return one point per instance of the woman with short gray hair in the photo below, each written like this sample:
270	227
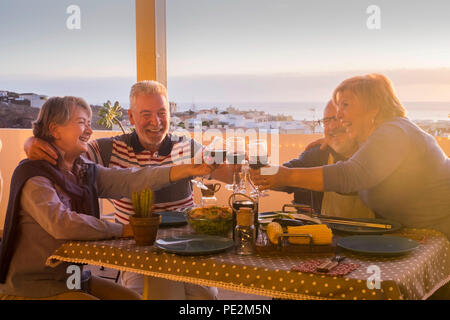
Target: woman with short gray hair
51	204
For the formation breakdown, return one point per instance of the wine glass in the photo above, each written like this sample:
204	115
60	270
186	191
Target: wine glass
213	154
235	150
258	158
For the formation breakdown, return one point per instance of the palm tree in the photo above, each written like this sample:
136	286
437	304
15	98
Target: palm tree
110	114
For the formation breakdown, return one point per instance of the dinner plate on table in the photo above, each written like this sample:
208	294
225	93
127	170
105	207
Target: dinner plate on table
193	244
172	219
349	229
378	244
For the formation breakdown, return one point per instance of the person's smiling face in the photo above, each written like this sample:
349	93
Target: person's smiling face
358	121
150	115
335	133
73	137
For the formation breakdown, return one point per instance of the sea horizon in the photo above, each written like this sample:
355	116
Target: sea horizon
423	110
299	110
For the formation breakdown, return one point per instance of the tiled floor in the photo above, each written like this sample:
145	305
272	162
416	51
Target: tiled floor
223	294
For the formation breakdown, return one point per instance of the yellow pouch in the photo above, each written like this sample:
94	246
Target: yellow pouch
320	233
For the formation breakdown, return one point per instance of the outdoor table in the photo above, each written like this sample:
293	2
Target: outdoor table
415	275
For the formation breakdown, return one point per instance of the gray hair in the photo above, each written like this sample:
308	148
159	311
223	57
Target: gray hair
148	87
56	110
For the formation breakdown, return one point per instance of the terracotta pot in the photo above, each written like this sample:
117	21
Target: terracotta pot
145	230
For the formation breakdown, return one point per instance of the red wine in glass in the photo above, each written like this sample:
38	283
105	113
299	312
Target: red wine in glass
217	156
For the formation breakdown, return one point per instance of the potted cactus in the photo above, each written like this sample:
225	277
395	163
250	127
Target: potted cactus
144	222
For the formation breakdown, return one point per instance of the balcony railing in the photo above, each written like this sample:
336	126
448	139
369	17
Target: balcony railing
290	147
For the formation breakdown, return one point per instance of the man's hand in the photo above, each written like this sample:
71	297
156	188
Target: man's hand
273	181
37	149
200	170
127	231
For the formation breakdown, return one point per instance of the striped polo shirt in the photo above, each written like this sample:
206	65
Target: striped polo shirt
126	151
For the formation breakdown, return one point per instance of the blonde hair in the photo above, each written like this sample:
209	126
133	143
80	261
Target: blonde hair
374	91
148	87
56	110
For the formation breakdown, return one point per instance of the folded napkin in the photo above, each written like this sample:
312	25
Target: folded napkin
320	233
311	265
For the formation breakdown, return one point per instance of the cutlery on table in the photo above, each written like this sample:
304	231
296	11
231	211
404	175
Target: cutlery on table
341	221
330	264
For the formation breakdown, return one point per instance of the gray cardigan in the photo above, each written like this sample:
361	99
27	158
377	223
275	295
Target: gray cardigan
401	173
46	222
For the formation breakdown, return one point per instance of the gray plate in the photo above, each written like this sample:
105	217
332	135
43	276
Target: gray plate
378	245
193	245
366	230
172	219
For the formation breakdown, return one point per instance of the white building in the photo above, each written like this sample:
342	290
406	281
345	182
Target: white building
192	123
36	100
175	121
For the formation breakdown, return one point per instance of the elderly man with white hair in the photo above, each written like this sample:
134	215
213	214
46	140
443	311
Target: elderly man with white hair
150	144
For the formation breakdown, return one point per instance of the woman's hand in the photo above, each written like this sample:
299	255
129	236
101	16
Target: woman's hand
225	172
184	171
37	149
272	181
305	178
127	231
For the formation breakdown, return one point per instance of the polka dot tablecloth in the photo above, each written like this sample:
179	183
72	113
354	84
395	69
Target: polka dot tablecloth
415	275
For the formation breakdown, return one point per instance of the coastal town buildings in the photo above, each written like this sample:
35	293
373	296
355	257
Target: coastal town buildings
212	118
36	100
28	99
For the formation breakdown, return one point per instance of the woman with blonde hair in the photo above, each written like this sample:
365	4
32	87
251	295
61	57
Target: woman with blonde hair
399	170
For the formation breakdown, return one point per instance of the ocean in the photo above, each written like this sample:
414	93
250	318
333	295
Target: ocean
313	110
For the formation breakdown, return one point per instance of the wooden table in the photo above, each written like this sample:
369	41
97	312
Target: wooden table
415	275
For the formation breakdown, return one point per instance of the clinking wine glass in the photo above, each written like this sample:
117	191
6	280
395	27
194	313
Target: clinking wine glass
235	149
214	154
258	158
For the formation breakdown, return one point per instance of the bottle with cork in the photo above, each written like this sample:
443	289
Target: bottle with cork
245	197
245	233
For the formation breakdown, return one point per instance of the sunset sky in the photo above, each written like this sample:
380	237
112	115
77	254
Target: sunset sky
233	50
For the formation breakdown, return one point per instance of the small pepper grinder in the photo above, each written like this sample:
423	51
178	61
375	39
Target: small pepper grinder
245	233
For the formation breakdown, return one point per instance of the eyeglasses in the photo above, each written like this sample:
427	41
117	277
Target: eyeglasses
326	121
